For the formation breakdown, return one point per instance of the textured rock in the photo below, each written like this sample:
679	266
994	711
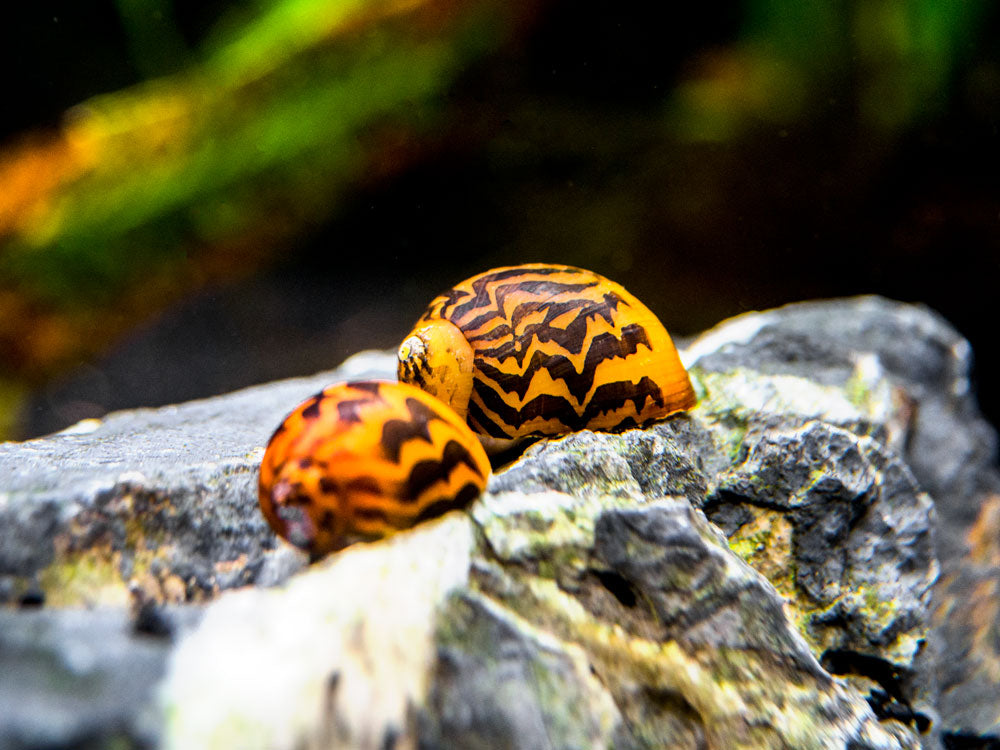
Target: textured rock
80	678
162	499
910	371
756	573
843	528
864	344
967	620
691	644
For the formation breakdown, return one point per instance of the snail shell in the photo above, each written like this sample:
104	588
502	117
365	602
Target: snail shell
360	460
542	349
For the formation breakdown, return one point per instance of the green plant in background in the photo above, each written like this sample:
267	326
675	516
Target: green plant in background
892	60
230	152
260	136
207	171
908	53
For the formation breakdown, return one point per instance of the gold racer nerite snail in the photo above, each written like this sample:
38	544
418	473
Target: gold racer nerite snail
360	460
542	349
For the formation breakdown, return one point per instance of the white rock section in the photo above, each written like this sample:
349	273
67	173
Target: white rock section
738	330
333	659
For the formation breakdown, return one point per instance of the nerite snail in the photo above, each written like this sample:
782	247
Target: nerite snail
544	349
360	460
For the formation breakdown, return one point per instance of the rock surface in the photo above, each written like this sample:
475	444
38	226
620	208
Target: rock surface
162	500
757	573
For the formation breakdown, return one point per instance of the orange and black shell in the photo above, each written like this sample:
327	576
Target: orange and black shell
558	349
360	460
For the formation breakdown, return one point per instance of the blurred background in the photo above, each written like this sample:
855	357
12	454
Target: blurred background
199	196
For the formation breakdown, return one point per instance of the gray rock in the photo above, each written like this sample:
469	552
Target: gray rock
930	419
498	683
584	601
79	678
671	458
948	445
861	531
165	496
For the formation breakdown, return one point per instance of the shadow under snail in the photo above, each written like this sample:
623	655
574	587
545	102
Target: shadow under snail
543	349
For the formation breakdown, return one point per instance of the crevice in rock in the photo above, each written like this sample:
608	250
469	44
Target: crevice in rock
724	497
618	585
612	598
32	598
965	741
150	619
888	703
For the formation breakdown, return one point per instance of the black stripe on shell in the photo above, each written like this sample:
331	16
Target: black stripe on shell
350	409
311	409
553	289
395	432
607	398
602	347
370	386
571	338
451	298
462	498
481	287
483	424
425	473
330	486
366	513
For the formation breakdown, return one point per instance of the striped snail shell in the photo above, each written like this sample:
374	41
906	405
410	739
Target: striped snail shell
543	349
360	460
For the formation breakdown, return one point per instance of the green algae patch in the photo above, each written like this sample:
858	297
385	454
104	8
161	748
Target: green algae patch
86	578
746	394
551	527
97	572
765	544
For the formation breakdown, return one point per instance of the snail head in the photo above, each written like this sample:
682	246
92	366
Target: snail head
437	358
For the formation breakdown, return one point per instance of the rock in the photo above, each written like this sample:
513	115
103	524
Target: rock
691	645
843	530
79	678
759	572
864	345
163	498
337	657
967	620
911	370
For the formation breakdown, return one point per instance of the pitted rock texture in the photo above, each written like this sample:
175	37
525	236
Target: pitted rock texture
859	553
687	640
910	371
870	341
159	499
756	573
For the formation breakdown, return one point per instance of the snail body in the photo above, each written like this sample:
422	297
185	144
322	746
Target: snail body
363	459
543	349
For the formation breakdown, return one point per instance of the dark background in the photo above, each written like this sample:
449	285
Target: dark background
560	156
